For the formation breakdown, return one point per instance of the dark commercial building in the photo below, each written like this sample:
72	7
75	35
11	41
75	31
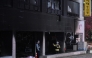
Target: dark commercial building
26	21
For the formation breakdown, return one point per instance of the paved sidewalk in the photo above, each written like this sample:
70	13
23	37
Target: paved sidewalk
6	57
79	56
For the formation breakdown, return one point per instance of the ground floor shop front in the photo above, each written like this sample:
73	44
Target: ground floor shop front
22	43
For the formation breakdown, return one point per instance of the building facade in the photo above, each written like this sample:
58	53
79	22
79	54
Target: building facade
27	21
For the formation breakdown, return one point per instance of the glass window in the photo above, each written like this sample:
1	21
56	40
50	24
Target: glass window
73	7
57	4
53	4
33	5
26	2
1	2
9	3
49	3
33	2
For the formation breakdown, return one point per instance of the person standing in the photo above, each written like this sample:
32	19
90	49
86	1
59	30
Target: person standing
57	49
38	48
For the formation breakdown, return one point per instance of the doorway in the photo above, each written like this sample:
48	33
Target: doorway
52	37
5	43
69	41
25	43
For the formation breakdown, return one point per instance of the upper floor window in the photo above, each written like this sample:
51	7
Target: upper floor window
1	2
54	6
33	2
7	3
27	4
73	8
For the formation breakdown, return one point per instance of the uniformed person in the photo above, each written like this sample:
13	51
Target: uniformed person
57	45
38	48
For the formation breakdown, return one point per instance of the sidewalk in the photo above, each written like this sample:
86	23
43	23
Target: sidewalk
79	56
6	57
64	54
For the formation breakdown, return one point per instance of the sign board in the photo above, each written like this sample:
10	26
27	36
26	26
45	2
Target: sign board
87	8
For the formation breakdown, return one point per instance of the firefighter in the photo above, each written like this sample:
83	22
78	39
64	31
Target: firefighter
57	47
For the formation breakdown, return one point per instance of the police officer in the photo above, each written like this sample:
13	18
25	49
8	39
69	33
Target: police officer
38	48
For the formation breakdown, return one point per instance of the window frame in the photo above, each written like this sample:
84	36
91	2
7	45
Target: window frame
27	5
53	10
71	13
7	3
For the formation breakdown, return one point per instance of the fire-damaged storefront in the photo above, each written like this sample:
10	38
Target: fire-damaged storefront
45	22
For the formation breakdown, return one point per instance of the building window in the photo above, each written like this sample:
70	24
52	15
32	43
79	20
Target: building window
54	6
33	5
49	3
1	3
6	3
57	5
33	2
73	8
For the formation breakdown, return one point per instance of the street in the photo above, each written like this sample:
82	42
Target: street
79	56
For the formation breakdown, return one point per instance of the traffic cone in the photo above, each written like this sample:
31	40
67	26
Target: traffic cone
36	55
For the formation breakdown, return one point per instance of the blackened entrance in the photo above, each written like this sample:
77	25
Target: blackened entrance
5	43
70	41
25	43
52	37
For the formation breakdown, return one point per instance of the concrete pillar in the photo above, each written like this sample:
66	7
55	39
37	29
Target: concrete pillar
13	46
64	44
81	20
43	44
81	17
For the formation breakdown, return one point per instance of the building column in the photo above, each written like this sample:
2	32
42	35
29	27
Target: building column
64	8
43	44
13	46
64	44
